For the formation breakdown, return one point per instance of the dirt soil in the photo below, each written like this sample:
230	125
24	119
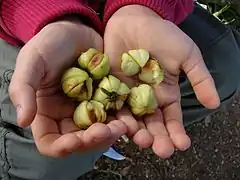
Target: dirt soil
214	154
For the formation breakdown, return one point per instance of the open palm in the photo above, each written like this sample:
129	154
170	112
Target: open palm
35	90
135	27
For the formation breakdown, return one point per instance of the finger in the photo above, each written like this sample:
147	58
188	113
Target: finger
118	128
126	116
173	121
162	144
96	137
201	80
25	80
143	137
124	137
49	141
111	118
94	140
95	134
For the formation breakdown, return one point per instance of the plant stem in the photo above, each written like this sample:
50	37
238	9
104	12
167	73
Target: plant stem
225	8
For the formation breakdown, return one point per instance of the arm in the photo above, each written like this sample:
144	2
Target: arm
172	10
21	20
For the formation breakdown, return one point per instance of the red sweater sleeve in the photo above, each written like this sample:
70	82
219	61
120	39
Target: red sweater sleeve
20	20
173	10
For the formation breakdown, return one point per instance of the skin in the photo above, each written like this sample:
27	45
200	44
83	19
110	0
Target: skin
35	89
175	51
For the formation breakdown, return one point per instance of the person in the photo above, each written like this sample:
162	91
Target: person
41	39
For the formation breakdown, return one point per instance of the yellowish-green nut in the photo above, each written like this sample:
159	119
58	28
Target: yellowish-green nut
99	66
151	73
86	57
95	62
129	66
112	93
142	100
133	60
141	56
88	113
77	84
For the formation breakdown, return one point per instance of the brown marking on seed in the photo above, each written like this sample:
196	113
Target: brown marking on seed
69	86
149	65
83	89
123	97
92	115
96	60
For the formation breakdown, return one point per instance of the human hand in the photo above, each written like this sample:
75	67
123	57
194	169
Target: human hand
35	91
138	27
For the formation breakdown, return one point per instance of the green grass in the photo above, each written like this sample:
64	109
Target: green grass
227	12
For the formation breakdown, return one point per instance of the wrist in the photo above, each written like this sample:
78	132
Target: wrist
128	14
67	21
136	11
175	10
72	23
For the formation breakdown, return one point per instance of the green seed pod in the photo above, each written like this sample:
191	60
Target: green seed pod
95	62
142	100
77	84
112	93
88	113
151	73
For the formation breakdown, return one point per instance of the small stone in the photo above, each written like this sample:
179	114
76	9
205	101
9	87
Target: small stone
207	120
125	171
238	123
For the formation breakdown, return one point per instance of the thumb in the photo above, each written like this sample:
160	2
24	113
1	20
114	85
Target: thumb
24	83
201	80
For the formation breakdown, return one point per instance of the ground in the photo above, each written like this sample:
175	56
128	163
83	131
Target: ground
214	154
